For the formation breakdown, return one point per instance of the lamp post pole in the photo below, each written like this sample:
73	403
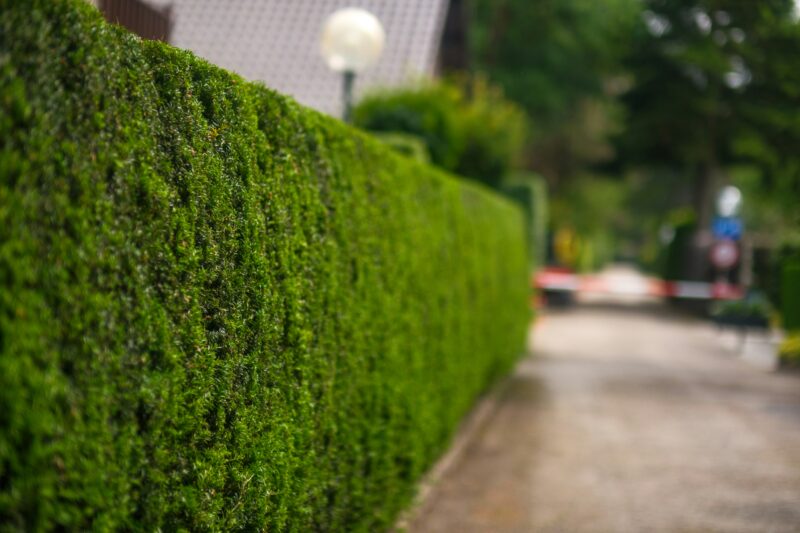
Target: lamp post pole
347	95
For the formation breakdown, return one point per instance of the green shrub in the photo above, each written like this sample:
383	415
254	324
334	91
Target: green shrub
754	310
406	144
219	310
789	351
530	191
790	292
494	133
678	249
429	112
468	126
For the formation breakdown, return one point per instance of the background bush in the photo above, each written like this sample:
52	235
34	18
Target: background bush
530	192
429	112
406	144
219	310
790	292
467	124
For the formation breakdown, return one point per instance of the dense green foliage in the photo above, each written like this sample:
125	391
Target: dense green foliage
674	263
671	98
789	351
561	61
495	131
752	311
550	54
715	102
716	85
406	144
429	112
790	293
219	310
468	125
530	191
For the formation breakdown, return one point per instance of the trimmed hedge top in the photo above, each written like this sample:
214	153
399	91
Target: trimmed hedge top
219	310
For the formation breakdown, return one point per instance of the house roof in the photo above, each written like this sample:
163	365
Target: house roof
277	42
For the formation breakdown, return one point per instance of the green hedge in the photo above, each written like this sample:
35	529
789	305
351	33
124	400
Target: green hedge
219	310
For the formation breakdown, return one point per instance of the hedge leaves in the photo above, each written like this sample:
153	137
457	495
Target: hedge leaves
220	310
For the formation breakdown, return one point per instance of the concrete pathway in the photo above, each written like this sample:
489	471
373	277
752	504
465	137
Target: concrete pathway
627	418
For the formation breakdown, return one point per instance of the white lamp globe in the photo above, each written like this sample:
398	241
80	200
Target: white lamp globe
352	40
729	201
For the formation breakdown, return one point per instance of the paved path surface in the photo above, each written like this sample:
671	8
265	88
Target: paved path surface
627	418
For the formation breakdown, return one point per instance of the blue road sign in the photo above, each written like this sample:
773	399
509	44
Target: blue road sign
727	228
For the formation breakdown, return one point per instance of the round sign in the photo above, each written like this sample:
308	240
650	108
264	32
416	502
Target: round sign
724	254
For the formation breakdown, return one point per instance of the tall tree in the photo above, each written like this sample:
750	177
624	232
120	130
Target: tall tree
560	59
769	136
713	79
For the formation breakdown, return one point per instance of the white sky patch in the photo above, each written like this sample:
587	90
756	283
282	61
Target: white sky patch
739	75
702	21
656	24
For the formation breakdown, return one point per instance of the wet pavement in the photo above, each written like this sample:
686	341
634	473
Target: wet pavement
626	418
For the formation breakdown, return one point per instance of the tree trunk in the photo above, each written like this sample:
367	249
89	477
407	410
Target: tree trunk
706	184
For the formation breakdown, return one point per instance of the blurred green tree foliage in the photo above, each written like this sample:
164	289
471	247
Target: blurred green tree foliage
671	97
593	207
715	83
561	60
530	191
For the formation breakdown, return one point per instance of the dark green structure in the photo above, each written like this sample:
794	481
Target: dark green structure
219	310
790	293
530	192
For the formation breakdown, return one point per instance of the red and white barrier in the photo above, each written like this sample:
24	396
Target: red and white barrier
565	281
